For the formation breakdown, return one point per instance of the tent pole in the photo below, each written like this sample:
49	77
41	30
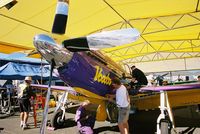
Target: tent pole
170	76
41	71
185	64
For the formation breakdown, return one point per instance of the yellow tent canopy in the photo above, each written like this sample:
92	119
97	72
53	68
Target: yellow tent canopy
170	29
23	21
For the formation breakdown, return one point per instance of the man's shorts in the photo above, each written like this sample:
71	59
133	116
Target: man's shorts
24	105
123	114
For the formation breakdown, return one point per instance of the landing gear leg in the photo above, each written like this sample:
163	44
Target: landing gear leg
164	124
59	114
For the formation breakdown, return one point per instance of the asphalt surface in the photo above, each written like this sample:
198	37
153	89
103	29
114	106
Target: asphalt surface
10	125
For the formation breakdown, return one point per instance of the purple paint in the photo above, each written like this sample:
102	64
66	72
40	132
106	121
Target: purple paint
82	70
172	87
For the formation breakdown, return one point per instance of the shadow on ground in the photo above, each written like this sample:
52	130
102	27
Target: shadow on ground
1	129
106	128
69	123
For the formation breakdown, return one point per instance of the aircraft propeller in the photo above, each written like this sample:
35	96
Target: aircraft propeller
95	41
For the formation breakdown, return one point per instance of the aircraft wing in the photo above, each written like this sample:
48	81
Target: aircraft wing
172	87
72	90
57	88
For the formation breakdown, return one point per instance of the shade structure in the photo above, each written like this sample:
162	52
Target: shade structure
17	71
19	57
170	30
23	21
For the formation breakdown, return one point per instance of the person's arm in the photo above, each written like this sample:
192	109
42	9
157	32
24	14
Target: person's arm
111	97
134	80
32	94
78	115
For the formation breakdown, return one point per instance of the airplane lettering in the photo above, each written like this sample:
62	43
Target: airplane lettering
101	78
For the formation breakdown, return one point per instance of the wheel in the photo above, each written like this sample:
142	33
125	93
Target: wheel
165	126
112	112
57	121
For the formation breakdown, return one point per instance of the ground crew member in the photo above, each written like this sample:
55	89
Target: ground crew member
123	104
139	76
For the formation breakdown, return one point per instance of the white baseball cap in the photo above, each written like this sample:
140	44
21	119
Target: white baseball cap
28	78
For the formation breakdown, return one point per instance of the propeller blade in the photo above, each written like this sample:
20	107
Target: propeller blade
76	44
60	20
165	74
17	55
102	40
32	53
45	113
22	54
7	3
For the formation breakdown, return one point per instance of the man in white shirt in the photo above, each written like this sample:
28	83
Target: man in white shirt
123	104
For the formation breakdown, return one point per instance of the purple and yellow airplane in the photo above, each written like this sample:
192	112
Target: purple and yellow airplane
88	73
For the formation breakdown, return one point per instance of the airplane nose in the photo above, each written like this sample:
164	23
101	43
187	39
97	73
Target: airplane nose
50	50
44	44
43	38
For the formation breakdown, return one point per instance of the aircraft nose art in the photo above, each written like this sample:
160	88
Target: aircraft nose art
48	48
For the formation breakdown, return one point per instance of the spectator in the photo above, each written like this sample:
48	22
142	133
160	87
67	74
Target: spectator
165	83
179	78
24	95
85	121
187	78
198	78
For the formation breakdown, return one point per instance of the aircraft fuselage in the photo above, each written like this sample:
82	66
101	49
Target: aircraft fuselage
78	69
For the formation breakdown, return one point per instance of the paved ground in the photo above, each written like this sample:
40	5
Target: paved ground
10	125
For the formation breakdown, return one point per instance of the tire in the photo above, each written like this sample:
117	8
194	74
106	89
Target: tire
165	127
112	112
57	121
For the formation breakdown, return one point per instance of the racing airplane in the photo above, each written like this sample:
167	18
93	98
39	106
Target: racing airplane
88	73
79	64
